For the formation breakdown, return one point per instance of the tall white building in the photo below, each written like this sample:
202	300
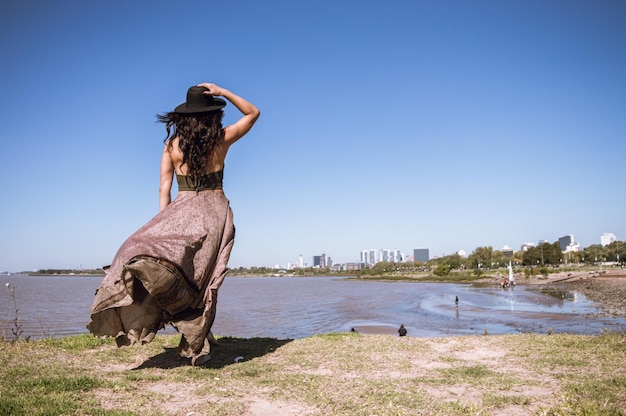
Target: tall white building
365	256
374	258
607	238
369	256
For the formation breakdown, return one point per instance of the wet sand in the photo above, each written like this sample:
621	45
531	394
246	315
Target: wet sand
607	290
607	287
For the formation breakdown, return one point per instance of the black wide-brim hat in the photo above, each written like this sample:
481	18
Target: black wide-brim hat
198	102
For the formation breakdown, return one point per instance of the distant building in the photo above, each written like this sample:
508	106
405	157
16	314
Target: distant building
351	266
421	254
527	246
565	241
607	238
320	261
343	267
573	247
373	257
369	257
365	256
568	244
507	251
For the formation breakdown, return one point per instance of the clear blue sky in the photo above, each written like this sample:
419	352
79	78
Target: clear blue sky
401	124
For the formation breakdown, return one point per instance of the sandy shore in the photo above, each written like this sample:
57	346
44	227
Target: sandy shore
605	287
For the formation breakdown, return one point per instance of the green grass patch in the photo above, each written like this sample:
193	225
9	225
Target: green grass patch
77	343
46	395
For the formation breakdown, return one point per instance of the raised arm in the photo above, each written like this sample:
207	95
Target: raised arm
250	113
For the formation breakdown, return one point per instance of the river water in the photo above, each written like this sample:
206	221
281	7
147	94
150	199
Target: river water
297	307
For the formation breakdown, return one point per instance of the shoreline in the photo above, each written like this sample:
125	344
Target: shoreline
606	288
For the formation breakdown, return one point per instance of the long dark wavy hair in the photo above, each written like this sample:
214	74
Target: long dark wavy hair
197	133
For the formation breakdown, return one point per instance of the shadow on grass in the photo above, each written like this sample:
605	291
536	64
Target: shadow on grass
223	354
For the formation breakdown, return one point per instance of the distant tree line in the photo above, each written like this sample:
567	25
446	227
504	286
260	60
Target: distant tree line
270	271
68	272
596	253
543	254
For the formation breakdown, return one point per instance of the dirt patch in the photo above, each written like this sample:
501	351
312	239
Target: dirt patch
489	353
262	407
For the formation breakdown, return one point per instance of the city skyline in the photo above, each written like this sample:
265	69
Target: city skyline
379	253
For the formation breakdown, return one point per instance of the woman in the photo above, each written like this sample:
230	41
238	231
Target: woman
170	270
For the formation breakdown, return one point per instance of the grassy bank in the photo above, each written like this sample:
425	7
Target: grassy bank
336	374
457	277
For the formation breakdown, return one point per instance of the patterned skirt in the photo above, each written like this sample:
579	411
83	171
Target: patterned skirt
169	271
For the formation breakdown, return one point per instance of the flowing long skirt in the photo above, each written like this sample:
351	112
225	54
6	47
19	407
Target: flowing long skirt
169	271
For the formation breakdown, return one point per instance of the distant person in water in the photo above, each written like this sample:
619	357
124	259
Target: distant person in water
170	270
456	301
402	330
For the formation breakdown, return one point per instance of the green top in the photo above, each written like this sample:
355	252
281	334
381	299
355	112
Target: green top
210	181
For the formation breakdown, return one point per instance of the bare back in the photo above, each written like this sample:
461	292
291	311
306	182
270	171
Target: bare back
215	160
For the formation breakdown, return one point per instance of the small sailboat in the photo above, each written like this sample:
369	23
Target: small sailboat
511	277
